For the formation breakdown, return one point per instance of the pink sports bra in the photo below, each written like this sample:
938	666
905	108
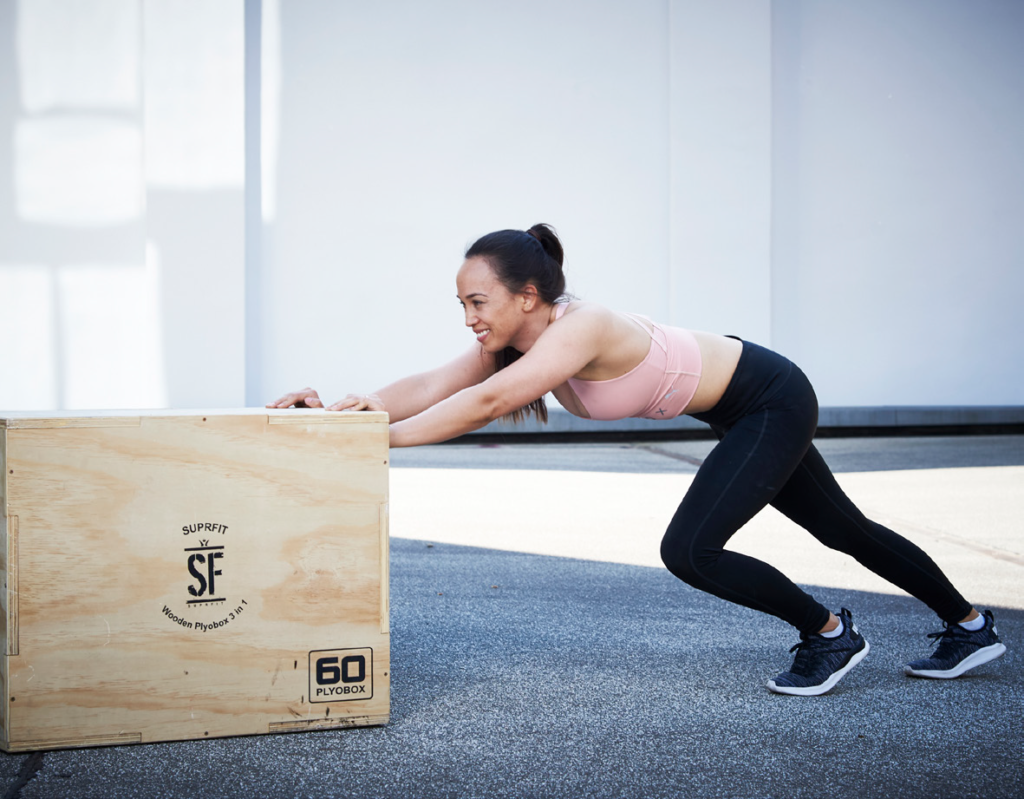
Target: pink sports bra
659	387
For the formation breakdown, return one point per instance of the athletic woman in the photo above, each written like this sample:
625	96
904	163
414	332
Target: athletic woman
601	364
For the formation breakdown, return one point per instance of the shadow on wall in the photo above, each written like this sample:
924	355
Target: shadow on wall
123	122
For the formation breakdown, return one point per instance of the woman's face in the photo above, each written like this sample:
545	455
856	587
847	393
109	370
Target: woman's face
491	309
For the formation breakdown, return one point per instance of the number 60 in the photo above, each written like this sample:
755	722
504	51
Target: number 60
328	672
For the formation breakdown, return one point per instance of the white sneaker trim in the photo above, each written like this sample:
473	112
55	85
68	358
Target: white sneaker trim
984	655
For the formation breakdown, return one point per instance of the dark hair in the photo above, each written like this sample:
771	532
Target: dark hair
520	258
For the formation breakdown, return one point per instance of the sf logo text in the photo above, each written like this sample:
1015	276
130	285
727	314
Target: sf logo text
204	568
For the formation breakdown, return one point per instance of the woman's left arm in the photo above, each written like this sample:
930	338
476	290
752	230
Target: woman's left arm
561	351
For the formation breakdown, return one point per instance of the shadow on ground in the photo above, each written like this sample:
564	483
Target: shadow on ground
518	675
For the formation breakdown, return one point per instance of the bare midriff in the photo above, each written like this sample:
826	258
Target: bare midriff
719	355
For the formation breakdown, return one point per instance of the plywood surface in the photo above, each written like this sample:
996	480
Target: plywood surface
170	579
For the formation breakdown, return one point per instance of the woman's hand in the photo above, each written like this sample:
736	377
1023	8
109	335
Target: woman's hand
359	402
306	398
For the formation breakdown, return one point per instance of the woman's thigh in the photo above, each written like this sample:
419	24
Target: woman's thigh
751	464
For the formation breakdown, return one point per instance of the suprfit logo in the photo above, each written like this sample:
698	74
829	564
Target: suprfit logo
204	569
340	675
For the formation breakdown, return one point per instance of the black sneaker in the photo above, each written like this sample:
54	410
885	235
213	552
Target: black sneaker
821	662
959	650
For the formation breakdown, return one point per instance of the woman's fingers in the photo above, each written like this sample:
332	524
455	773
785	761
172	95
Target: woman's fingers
306	398
352	402
358	402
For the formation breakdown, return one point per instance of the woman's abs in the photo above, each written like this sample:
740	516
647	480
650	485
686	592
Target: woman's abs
719	355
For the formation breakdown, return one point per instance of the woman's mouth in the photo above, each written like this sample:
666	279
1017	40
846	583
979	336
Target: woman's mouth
482	335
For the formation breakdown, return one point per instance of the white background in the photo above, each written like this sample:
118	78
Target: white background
843	182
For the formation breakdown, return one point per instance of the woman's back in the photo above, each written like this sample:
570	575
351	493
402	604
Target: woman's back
646	369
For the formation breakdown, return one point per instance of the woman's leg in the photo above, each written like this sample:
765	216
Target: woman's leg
813	499
746	471
765	423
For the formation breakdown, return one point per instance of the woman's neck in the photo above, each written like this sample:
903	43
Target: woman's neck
536	321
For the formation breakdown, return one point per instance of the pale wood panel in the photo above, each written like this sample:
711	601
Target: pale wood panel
385	568
175	577
298	416
36	419
8	529
70	421
182	688
3	475
11	595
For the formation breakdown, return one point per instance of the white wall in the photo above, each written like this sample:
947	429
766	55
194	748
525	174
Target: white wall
720	126
121	191
840	181
408	130
897	276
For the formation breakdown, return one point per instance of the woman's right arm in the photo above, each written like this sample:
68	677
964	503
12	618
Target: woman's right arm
410	395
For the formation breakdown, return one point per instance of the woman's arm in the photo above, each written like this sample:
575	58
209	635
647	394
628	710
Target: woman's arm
560	352
410	395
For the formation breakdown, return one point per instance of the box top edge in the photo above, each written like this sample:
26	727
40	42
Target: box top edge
9	419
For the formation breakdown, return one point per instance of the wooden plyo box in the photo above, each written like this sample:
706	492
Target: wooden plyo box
171	575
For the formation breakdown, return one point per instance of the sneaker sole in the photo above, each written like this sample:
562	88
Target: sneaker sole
982	656
828	685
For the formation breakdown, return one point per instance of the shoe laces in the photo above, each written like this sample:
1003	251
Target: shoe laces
809	644
950	636
812	652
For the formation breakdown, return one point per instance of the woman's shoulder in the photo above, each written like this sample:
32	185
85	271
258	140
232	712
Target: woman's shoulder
599	323
598	314
585	307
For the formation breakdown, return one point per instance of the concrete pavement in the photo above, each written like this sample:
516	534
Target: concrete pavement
539	649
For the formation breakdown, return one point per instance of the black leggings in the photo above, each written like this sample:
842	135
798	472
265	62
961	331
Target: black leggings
765	422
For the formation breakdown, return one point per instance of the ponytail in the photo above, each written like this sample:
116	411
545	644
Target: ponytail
548	239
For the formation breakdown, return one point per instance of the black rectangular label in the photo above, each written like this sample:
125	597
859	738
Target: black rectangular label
340	675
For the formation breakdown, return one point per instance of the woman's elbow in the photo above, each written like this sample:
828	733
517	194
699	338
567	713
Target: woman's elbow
492	407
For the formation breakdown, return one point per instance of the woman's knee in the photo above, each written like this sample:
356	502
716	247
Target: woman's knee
671	555
684	559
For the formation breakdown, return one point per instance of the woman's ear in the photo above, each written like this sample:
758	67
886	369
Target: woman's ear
529	295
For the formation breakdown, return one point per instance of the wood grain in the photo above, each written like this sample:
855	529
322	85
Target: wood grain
170	579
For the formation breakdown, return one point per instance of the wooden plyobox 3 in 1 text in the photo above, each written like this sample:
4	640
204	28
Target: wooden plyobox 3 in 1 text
171	575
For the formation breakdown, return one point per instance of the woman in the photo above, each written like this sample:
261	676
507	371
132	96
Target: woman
605	365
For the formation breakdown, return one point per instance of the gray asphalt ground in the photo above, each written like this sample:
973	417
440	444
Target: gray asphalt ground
539	649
